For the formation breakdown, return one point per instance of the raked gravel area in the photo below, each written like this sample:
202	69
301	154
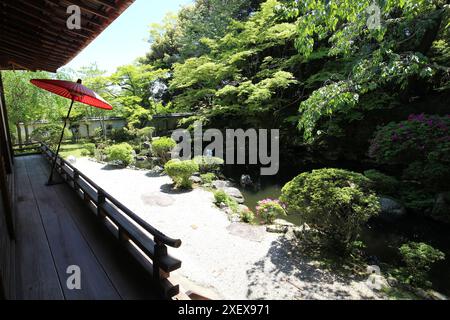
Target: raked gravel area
232	261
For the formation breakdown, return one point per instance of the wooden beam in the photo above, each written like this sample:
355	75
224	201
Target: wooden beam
34	33
83	7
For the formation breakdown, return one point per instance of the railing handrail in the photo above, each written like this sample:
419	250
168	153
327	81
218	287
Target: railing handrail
159	236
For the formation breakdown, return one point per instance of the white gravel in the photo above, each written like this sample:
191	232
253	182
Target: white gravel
233	261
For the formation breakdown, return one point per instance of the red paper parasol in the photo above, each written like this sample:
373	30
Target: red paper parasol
74	91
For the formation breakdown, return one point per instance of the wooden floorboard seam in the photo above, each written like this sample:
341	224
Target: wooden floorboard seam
43	165
21	245
99	285
45	230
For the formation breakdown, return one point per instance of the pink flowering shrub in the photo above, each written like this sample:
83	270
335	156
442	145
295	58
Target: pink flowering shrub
421	137
421	144
268	210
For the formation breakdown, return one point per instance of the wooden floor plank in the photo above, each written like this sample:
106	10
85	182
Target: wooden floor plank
67	244
129	279
36	276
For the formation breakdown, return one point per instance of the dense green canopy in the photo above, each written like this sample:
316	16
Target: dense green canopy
319	70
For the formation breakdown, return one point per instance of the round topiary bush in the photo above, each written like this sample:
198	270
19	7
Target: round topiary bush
120	154
334	202
181	171
162	147
208	164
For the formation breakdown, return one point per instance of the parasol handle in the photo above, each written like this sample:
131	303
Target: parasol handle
50	179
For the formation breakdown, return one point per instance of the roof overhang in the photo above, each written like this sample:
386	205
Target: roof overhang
34	34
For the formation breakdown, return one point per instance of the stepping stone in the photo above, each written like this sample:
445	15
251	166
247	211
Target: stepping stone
157	199
247	231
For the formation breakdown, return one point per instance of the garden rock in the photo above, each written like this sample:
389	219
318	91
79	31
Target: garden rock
235	194
436	295
246	180
441	208
392	281
282	222
377	282
141	158
391	209
222	205
195	179
221	184
373	270
156	170
273	228
243	208
146	145
234	218
302	231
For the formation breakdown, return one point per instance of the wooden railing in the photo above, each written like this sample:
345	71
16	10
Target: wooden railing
26	149
142	240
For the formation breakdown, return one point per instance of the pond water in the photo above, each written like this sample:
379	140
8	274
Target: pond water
383	238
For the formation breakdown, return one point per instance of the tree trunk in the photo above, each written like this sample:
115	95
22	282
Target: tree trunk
19	135
431	34
102	123
27	135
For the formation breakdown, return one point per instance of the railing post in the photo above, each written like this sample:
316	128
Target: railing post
160	250
63	173
123	235
101	198
76	176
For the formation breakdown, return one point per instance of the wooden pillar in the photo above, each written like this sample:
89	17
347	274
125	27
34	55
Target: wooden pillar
6	166
5	135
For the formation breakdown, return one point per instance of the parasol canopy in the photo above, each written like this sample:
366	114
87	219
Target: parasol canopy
73	91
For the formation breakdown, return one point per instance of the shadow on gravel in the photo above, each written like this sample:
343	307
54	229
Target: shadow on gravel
291	271
110	167
168	188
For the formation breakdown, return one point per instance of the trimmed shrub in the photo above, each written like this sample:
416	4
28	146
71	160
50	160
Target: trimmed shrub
85	153
382	184
208	164
120	154
418	258
208	178
90	147
180	172
269	210
162	147
334	202
247	216
145	134
122	135
50	134
220	197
